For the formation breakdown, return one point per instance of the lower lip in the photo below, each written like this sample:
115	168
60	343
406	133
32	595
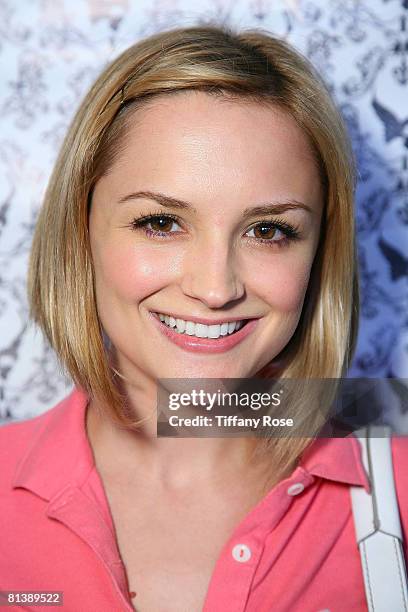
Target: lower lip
205	345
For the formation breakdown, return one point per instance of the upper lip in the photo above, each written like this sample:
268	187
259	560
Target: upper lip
203	320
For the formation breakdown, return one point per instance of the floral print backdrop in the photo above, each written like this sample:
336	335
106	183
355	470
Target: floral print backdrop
52	50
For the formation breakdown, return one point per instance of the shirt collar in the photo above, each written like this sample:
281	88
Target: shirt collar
60	454
337	459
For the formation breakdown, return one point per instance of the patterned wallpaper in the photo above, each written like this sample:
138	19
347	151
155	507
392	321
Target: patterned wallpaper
52	50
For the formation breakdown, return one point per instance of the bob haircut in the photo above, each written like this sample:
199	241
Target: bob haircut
251	66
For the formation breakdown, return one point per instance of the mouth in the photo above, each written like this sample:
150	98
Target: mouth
201	337
201	330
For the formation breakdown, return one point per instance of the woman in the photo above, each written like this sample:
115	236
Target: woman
198	224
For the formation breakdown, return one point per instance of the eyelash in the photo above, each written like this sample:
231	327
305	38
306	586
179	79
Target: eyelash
291	232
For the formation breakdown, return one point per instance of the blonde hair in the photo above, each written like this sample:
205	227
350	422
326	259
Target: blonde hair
253	66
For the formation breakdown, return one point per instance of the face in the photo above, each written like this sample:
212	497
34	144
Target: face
202	240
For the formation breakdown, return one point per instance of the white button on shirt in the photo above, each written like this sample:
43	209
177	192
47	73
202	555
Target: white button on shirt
295	489
241	553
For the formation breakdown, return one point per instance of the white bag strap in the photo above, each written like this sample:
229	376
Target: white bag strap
377	524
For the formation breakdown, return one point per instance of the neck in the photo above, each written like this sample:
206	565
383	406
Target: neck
173	462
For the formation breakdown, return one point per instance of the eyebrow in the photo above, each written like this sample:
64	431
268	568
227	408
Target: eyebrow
167	201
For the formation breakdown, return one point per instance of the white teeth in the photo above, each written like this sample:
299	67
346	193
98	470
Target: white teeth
199	329
190	328
214	331
224	329
181	325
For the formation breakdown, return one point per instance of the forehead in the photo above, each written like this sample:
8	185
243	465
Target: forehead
201	141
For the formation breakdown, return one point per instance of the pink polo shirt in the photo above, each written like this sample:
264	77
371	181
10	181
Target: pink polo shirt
295	551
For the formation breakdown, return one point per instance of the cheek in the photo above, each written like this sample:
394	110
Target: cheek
133	272
282	284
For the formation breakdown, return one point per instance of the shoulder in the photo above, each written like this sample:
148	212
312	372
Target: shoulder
19	437
399	445
15	439
14	435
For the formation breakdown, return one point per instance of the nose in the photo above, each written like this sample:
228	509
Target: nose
211	275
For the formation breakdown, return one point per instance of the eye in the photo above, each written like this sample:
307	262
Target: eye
266	231
277	232
271	233
156	225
